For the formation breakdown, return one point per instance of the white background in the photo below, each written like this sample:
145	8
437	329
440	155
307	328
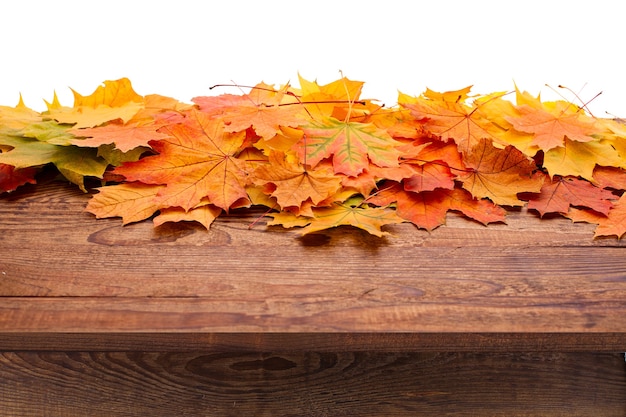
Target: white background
180	48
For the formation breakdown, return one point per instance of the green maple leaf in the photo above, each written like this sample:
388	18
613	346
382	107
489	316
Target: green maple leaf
351	145
73	162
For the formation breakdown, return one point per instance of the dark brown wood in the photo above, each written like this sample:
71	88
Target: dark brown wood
318	342
311	384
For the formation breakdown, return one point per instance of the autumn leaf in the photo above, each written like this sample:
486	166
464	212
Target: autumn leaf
551	122
13	119
12	178
197	160
264	109
114	100
580	158
338	99
132	201
562	192
448	116
348	213
434	164
351	145
73	162
610	177
293	184
323	156
125	137
500	174
428	209
204	214
613	224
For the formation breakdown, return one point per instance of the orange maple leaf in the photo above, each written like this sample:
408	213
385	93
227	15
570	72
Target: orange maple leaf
204	214
264	109
293	184
198	160
500	174
610	177
613	224
139	130
125	137
551	122
448	116
432	163
428	209
132	201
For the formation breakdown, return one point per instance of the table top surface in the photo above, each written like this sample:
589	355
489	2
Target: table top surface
531	282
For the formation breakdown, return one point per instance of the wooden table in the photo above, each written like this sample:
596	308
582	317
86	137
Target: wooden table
97	319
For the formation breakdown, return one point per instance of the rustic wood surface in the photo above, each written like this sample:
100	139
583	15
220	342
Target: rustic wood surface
97	319
62	271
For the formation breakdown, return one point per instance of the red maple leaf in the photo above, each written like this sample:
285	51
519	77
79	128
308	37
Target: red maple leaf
557	196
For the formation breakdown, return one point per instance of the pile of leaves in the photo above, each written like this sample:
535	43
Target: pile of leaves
319	156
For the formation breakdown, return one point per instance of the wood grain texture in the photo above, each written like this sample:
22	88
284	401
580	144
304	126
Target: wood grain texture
66	272
311	384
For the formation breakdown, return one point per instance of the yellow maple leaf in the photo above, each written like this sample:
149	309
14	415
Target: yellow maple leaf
115	100
580	158
348	213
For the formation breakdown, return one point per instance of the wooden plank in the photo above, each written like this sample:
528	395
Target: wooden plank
118	314
70	273
311	384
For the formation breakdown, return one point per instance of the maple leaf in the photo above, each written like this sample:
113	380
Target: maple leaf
448	116
12	119
293	184
557	196
114	100
498	111
552	122
73	162
204	214
500	174
610	177
350	212
12	178
138	131
431	164
580	158
125	137
613	224
428	209
264	109
351	145
338	99
197	160
132	201
430	176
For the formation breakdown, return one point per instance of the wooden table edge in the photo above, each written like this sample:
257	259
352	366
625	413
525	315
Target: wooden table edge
314	342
